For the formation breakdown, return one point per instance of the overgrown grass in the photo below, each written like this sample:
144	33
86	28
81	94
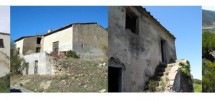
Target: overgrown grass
5	84
197	87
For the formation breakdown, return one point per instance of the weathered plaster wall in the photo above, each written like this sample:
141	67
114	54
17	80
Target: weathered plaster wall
90	41
4	64
6	40
44	65
140	54
65	38
19	44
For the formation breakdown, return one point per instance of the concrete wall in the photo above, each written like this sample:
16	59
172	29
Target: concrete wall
90	41
6	40
44	65
4	64
65	38
19	44
141	53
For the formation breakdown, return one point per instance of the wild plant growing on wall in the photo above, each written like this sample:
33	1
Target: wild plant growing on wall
72	54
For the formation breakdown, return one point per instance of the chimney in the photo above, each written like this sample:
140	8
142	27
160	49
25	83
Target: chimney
49	30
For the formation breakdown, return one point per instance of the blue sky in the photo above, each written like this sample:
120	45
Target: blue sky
32	20
184	22
186	25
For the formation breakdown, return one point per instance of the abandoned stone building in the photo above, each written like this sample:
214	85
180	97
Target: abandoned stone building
138	43
88	40
4	53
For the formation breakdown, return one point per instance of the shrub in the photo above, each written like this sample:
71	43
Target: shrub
72	54
152	84
185	68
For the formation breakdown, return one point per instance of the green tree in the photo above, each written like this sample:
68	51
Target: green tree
15	60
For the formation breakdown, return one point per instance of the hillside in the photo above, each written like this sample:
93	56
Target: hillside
76	76
208	18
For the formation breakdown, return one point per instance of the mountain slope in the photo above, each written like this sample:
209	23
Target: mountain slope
208	17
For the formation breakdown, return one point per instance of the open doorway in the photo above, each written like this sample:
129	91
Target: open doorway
163	51
36	67
114	79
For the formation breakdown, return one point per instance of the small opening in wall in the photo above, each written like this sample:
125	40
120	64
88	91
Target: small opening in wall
39	40
131	21
38	49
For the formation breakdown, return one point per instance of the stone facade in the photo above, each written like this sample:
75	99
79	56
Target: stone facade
138	43
4	54
88	40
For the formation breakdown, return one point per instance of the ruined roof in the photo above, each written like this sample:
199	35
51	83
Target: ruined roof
26	37
146	13
4	33
65	27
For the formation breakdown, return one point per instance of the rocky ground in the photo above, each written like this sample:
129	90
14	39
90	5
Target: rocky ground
76	76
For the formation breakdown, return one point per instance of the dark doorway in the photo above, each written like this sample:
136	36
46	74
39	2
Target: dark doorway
114	79
36	67
56	46
163	51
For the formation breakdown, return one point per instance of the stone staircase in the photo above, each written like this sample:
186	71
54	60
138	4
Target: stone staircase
164	77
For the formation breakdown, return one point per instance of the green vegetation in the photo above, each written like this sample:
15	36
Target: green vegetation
208	43
197	84
5	83
72	54
208	74
151	85
185	68
208	64
16	61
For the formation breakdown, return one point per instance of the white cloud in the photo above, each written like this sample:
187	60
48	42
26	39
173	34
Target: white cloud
5	19
209	8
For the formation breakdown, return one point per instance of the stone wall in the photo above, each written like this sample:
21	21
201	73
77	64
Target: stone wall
182	82
90	41
139	53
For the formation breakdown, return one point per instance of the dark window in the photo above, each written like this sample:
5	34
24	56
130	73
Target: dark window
37	49
39	40
56	46
131	21
1	43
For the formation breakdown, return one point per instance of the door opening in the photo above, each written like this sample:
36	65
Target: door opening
114	79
